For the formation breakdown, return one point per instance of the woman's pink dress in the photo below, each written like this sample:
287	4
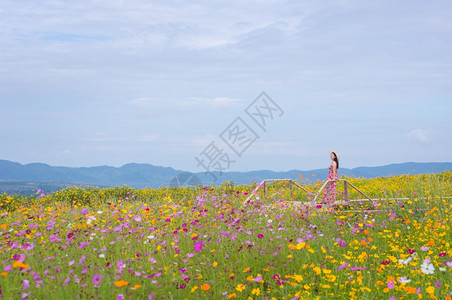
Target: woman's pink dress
330	187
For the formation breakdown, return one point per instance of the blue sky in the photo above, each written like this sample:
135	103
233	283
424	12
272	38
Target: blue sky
87	83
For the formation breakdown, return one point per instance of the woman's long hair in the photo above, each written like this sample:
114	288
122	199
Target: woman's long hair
336	160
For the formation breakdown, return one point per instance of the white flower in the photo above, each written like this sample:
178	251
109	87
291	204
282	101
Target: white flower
404	279
270	221
405	262
442	269
427	268
100	212
150	237
101	255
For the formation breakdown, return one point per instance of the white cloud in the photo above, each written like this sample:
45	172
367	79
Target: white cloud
418	135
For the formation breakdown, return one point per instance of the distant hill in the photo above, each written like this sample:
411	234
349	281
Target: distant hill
15	177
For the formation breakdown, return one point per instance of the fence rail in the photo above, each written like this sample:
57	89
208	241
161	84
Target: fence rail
293	183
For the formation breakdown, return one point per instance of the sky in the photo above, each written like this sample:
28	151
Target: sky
169	83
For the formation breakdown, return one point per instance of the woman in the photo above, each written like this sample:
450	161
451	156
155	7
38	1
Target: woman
330	193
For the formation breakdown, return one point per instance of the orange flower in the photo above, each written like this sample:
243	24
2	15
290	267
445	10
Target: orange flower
431	243
19	264
121	283
205	287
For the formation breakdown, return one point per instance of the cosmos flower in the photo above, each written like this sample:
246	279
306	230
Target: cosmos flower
97	279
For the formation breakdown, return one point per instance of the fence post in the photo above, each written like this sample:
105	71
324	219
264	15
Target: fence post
345	191
291	189
265	190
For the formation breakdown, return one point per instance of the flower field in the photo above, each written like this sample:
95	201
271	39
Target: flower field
208	242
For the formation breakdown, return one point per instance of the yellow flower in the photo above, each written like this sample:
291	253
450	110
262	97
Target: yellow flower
193	289
256	291
215	264
240	287
300	245
430	290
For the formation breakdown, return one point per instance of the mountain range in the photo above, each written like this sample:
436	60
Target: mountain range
16	177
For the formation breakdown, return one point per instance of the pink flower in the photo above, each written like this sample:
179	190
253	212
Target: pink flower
25	284
343	266
258	278
198	245
391	284
97	279
260	235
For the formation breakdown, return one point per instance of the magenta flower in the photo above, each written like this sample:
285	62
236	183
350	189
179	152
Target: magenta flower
120	297
97	279
410	251
438	284
198	245
260	235
84	211
341	242
442	254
